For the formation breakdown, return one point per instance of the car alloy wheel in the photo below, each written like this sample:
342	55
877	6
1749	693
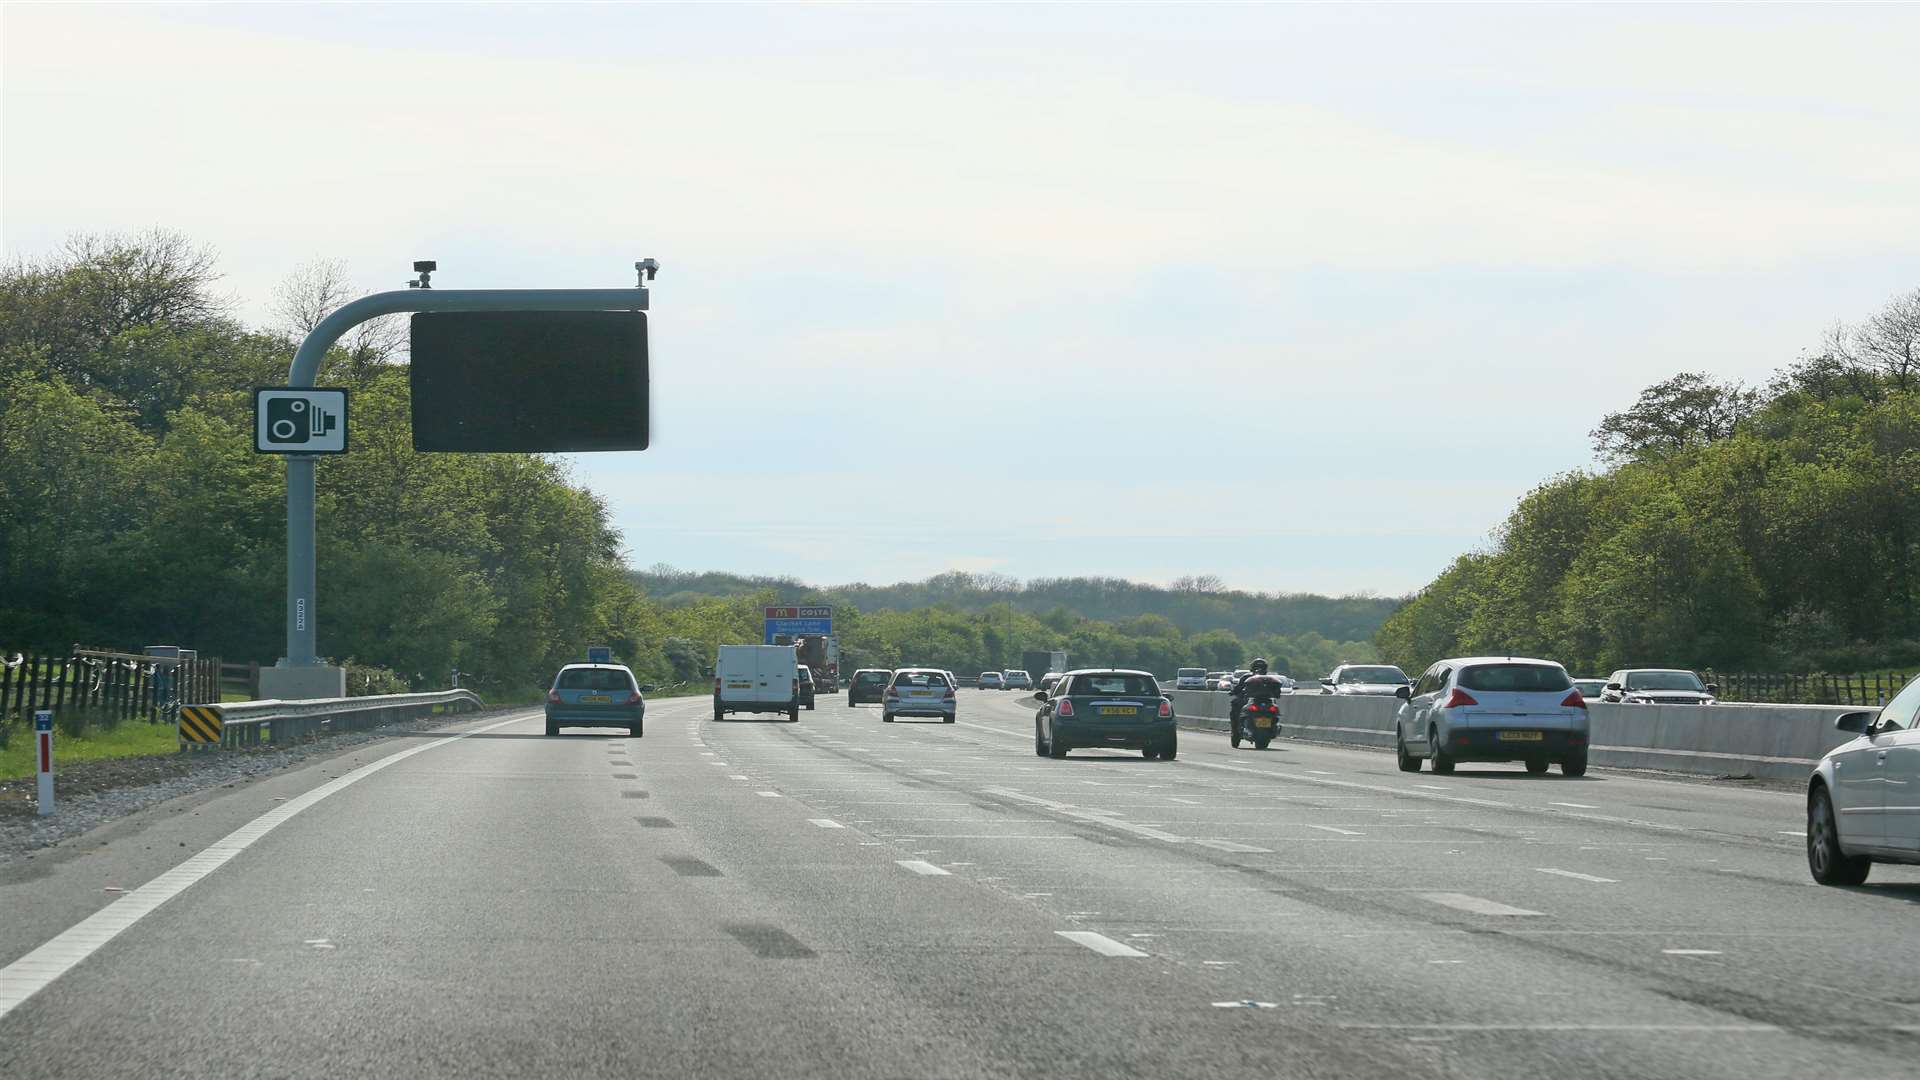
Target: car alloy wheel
1828	863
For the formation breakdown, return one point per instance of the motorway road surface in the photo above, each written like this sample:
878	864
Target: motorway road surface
845	898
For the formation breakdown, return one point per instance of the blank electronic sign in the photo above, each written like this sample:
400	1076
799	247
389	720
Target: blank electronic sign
530	381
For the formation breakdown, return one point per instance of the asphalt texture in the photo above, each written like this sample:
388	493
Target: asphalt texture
840	897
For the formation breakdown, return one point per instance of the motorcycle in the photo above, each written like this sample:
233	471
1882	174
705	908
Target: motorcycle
1256	714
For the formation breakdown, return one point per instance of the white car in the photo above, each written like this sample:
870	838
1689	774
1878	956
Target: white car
1019	680
1658	686
1190	678
1365	680
1861	801
991	680
1492	708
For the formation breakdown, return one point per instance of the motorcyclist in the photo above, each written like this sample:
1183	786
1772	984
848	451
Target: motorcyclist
1239	700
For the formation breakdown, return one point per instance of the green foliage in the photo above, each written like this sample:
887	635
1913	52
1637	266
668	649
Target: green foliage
1780	532
133	510
1191	604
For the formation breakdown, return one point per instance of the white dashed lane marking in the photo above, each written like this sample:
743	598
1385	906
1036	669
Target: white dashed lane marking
921	866
1475	904
1335	829
1577	876
1099	943
826	823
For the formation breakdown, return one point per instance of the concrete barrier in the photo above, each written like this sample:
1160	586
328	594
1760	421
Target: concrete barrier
1775	742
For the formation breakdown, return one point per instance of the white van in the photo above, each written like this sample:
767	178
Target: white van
756	678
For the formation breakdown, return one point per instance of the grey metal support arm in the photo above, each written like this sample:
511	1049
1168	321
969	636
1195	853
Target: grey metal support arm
302	650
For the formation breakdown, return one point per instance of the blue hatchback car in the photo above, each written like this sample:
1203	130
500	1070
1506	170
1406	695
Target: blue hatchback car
596	695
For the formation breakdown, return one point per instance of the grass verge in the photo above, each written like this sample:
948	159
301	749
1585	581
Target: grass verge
130	739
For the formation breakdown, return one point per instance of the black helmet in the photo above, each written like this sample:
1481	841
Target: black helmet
1259	665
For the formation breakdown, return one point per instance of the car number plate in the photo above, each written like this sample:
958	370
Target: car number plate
596	699
1119	710
739	686
1263	721
1520	736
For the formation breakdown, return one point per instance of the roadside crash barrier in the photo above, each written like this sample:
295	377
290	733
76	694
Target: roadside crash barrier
1773	742
251	723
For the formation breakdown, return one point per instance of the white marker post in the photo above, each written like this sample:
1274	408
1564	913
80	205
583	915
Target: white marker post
43	730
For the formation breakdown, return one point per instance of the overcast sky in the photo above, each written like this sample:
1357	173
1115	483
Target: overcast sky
1305	297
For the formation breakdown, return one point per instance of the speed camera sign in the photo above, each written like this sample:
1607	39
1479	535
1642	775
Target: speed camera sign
299	420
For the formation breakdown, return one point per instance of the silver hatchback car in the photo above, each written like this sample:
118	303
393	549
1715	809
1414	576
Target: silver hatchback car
1492	708
920	692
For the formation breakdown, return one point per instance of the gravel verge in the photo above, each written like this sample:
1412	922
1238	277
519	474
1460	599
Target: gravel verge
90	794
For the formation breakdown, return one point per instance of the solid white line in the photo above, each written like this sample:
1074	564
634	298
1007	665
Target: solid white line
826	823
921	866
1691	952
36	970
1475	904
1575	805
1335	829
1577	876
1099	943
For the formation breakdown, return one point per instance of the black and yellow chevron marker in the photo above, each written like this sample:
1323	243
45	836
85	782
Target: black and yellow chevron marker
200	723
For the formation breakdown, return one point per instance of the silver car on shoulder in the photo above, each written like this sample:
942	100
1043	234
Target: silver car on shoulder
1492	708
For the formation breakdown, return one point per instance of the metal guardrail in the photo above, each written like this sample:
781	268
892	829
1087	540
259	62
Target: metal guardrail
250	723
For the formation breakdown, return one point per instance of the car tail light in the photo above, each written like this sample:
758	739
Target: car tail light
716	684
949	693
1166	709
1574	701
1576	739
1063	707
633	698
553	697
1458	698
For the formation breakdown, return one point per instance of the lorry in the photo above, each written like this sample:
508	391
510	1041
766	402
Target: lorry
821	654
756	678
1038	663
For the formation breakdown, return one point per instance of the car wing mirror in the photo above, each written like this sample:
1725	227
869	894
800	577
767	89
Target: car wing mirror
1326	682
1857	722
648	688
1613	688
1039	695
1713	688
1404	693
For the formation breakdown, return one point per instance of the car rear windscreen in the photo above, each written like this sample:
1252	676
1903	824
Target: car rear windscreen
594	679
931	679
1191	672
1125	685
1515	678
868	678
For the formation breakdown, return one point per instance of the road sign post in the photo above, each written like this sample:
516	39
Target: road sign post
43	734
300	673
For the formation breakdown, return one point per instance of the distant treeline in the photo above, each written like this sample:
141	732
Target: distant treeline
1773	529
1194	604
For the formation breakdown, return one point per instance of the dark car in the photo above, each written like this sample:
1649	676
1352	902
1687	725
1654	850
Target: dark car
596	695
868	686
1118	709
806	690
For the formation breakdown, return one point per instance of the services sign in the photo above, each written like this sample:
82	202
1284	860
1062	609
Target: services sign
795	622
